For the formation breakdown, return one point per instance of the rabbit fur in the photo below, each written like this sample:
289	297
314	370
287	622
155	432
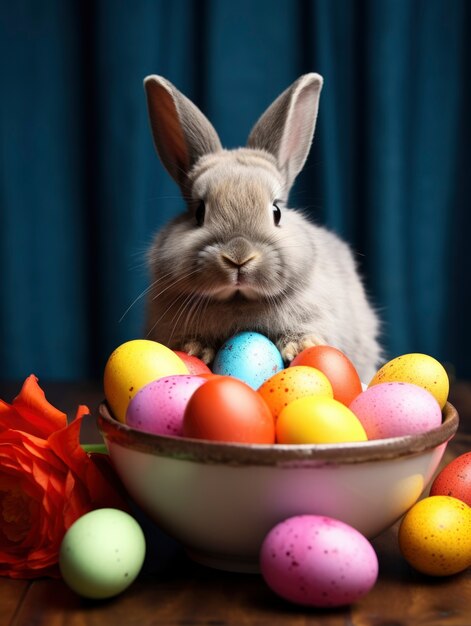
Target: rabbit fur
238	258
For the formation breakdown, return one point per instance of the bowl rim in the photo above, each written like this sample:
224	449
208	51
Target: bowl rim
204	451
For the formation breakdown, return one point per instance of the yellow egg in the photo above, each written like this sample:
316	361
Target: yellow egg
435	536
318	419
134	364
418	369
293	383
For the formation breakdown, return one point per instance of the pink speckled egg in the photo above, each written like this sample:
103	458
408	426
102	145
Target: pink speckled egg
396	409
159	406
318	561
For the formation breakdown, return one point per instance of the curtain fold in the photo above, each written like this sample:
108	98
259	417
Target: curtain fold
82	191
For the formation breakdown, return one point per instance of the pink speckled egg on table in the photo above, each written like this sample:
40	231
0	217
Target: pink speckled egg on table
159	406
396	409
318	561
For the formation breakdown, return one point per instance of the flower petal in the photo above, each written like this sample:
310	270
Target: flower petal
47	481
31	412
66	445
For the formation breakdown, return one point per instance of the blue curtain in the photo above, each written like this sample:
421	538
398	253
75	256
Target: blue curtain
82	190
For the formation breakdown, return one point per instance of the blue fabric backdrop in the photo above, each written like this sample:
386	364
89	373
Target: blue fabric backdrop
82	190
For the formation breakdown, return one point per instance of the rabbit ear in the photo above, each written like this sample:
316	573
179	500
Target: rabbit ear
182	134
287	127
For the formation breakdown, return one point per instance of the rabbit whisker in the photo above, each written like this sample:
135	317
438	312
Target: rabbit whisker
139	297
189	301
194	315
174	282
172	304
191	313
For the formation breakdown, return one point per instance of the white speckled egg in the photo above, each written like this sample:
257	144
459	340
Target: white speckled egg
396	409
158	407
250	357
102	553
318	561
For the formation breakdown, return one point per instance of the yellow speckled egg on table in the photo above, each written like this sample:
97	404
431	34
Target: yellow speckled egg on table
131	366
435	536
419	369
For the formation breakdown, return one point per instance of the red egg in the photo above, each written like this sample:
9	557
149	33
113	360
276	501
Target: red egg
228	410
455	480
194	364
337	367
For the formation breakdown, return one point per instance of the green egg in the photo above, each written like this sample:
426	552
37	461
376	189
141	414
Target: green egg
102	553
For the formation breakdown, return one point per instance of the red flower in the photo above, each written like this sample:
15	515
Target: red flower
47	481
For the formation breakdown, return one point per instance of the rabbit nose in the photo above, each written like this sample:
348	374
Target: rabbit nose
234	261
238	252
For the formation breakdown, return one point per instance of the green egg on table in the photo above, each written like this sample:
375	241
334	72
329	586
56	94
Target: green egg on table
102	553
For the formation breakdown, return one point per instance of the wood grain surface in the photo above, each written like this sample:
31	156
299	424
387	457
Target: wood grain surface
174	591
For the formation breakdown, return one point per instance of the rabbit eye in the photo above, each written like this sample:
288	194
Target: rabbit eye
276	214
199	213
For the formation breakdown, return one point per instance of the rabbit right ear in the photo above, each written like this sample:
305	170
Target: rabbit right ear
182	134
287	127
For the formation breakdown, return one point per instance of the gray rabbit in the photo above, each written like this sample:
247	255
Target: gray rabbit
238	258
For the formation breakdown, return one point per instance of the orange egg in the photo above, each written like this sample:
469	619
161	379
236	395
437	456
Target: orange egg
227	409
337	367
291	384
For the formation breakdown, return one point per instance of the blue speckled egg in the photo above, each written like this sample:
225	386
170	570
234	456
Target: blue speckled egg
250	357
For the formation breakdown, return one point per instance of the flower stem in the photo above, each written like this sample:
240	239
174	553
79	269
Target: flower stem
95	447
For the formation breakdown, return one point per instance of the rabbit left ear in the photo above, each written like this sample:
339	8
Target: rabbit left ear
182	134
287	127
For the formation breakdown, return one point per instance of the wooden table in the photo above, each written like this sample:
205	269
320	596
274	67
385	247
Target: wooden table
173	591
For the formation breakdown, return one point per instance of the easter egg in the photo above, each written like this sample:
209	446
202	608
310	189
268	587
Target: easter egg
318	561
159	406
318	419
208	376
250	357
293	383
336	366
102	553
418	369
131	366
396	409
455	480
193	363
226	409
435	536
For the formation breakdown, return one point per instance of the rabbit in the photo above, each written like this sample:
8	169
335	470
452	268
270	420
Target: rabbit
238	258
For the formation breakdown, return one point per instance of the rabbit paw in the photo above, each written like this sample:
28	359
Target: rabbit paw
292	347
194	347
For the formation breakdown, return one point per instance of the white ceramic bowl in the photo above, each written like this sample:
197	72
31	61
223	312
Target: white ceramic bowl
220	500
